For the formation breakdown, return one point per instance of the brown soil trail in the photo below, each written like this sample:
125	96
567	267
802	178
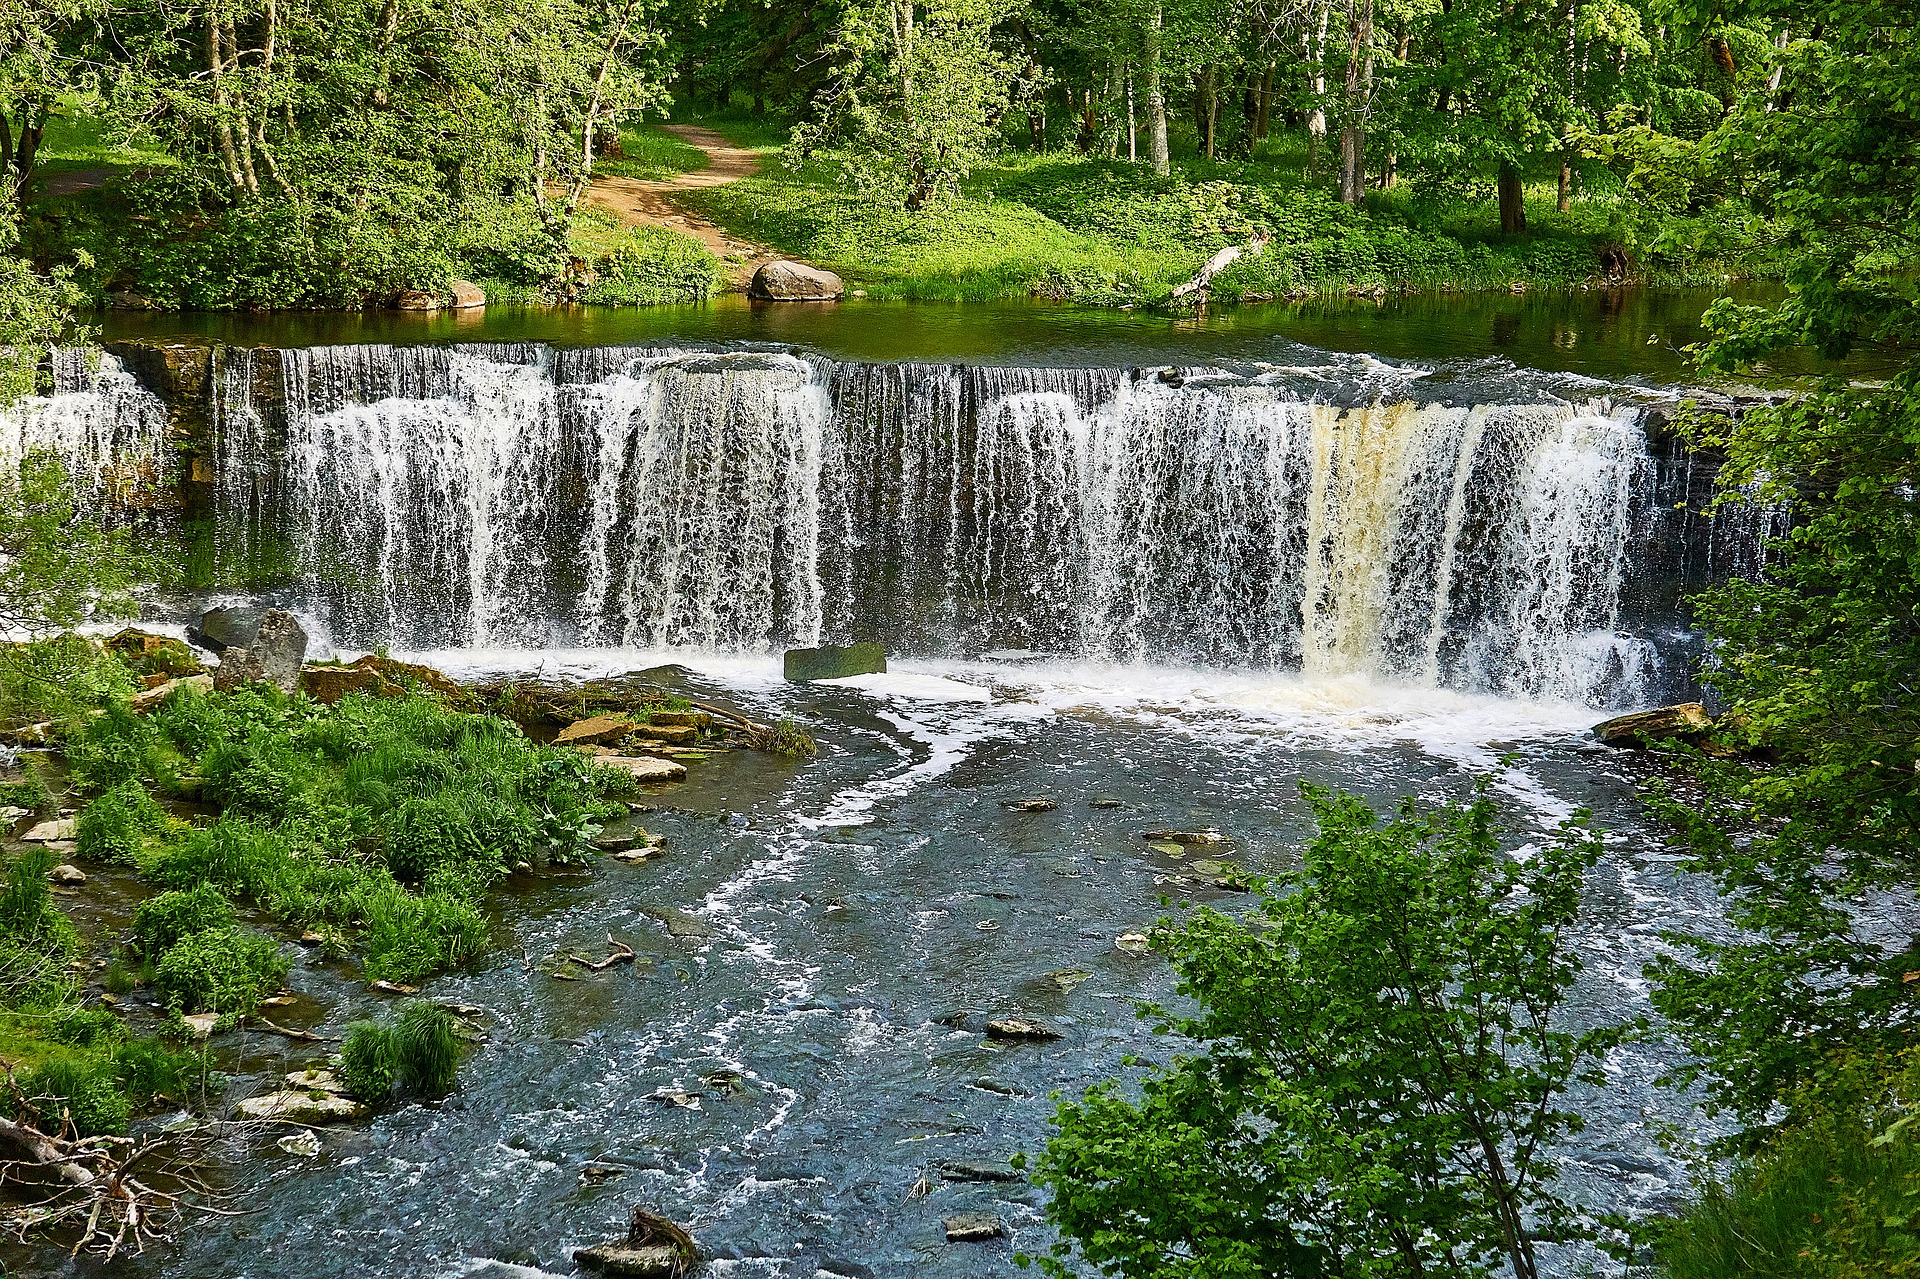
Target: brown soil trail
639	203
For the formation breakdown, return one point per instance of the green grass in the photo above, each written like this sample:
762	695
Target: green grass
1837	1197
75	139
650	153
1068	227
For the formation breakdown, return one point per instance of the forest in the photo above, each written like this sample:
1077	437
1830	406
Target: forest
1376	1052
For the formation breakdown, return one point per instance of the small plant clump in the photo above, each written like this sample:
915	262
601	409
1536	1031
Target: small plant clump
418	1051
115	826
222	970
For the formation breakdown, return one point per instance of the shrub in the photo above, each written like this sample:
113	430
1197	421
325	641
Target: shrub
115	825
57	679
224	970
160	922
84	1089
254	777
30	793
236	855
27	911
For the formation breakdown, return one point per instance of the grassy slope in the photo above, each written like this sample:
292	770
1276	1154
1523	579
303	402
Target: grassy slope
1063	226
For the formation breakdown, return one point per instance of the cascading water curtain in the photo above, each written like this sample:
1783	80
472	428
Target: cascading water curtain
109	432
747	500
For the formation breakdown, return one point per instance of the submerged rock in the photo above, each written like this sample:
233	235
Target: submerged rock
1036	804
804	664
305	1143
645	768
58	831
974	1170
681	924
1685	721
973	1227
618	1259
67	875
1065	979
789	281
1208	836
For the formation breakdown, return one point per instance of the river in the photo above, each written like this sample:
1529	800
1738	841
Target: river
1176	570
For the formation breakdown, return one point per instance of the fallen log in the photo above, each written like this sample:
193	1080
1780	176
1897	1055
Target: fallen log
621	953
1197	287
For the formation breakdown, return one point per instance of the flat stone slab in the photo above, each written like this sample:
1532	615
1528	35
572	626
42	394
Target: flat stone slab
594	730
973	1227
619	1259
159	693
646	768
316	1081
302	1107
53	832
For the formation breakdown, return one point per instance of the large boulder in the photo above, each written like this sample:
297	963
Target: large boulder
1687	721
803	664
275	657
786	281
231	627
466	295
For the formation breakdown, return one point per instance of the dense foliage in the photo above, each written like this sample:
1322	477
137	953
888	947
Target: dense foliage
1383	1058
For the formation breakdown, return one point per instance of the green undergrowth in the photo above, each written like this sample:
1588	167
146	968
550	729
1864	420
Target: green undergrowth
1100	232
1836	1196
379	823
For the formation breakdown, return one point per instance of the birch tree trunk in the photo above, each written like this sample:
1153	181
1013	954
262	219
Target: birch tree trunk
1317	82
1156	95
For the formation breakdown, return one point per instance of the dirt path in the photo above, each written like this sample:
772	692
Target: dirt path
639	203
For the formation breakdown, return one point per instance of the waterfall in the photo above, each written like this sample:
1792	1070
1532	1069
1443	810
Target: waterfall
110	432
521	496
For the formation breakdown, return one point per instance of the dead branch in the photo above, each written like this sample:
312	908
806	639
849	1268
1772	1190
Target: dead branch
264	1026
621	953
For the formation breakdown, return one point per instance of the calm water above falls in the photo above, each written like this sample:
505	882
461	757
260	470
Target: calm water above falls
1231	572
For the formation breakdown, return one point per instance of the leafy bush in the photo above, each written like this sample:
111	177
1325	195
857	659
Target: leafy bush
236	855
418	1050
160	922
114	826
226	970
84	1089
57	679
30	793
425	835
86	1027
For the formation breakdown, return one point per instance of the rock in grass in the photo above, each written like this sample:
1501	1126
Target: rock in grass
803	664
973	1227
789	281
67	875
328	684
1021	1028
304	1107
152	697
1687	720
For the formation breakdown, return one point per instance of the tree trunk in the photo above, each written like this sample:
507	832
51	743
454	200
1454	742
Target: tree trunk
1317	83
1156	96
1565	202
1116	89
223	127
1513	204
1390	170
1263	112
1353	123
1206	106
1133	129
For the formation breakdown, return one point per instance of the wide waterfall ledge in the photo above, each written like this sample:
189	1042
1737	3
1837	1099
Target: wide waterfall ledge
1474	528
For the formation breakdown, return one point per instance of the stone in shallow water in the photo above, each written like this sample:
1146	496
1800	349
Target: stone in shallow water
1185	837
1686	720
68	875
595	730
803	664
619	1259
972	1227
646	768
1020	1028
788	281
302	1107
52	832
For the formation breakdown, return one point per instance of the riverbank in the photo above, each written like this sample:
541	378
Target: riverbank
666	222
